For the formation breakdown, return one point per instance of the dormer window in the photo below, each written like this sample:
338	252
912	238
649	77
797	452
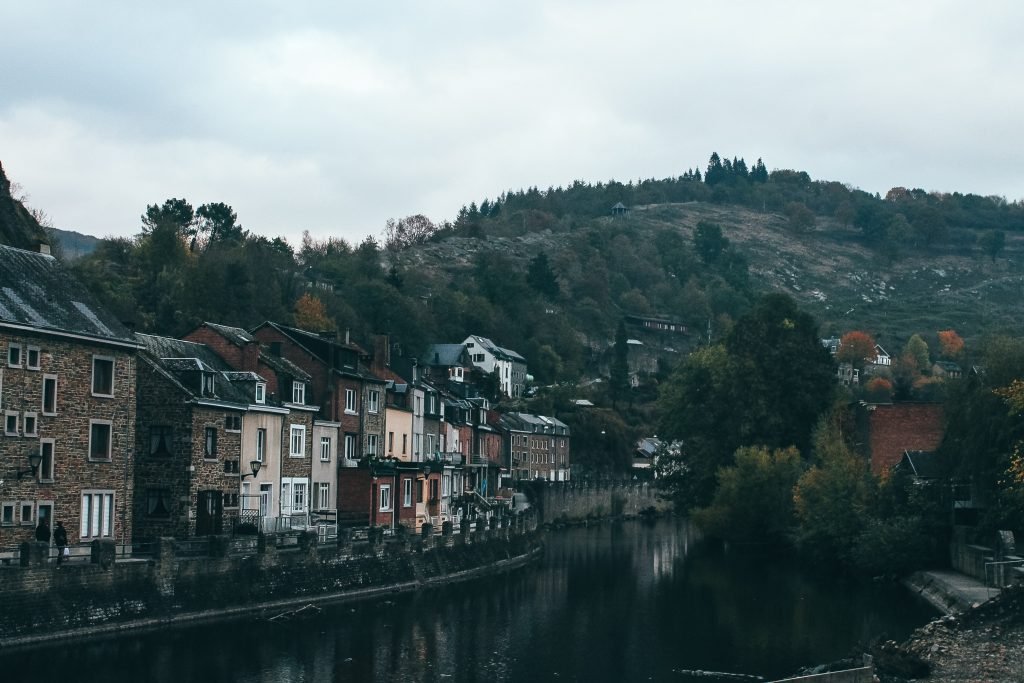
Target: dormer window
261	392
209	387
299	392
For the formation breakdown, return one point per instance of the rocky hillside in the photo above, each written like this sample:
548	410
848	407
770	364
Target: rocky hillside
17	226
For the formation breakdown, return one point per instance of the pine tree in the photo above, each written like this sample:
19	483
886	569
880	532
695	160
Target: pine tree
619	380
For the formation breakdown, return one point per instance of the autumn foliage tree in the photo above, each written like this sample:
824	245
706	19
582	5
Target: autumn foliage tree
856	348
950	344
310	314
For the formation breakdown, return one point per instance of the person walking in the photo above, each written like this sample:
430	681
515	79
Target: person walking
60	539
43	532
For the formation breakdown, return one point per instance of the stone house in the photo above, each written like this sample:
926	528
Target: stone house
67	397
545	455
509	367
189	464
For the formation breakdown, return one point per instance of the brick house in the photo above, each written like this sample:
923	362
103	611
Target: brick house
341	384
189	441
367	493
887	431
67	397
545	453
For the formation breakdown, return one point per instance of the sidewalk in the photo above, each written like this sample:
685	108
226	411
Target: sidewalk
950	591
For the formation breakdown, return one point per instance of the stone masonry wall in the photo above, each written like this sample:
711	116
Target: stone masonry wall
579	501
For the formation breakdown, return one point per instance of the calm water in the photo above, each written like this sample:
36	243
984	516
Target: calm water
626	602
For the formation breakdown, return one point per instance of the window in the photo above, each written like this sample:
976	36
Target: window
433	490
385	497
31	424
49	394
11	423
405	443
419	406
232	423
46	464
298	441
27	512
261	392
298	392
230	499
350	446
99	439
210	444
350	401
446	485
160	441
298	496
14	355
231	466
102	376
97	514
158	502
323	496
208	385
374	401
7	514
416	445
32	357
261	443
371	444
325	449
407	492
391	442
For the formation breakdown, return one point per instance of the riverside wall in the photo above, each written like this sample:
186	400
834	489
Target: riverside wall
235	576
573	502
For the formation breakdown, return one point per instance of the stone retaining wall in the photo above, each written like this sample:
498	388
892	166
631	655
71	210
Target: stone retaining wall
43	600
569	502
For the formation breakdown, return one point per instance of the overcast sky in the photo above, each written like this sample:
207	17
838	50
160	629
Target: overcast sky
333	118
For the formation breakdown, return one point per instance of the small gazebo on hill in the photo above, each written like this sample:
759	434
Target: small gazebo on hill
620	209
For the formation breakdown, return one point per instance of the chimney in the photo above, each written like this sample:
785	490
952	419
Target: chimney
381	352
251	355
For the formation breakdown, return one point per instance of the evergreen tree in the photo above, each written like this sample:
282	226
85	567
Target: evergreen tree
541	277
619	379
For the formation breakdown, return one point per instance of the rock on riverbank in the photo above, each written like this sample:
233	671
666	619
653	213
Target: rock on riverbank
984	644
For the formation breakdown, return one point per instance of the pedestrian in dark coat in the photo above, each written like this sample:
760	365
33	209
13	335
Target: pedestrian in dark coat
60	539
43	532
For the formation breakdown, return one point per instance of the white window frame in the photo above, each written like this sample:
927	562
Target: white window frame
29	350
351	440
407	492
7	511
110	440
43	470
97	518
210	453
261	443
299	393
31	518
350	401
261	392
384	497
8	414
113	376
373	401
34	419
325	449
371	444
47	379
21	356
300	432
324	496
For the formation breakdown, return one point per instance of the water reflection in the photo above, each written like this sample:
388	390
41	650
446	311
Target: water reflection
626	602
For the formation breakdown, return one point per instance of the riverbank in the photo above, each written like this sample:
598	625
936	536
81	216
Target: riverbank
86	601
984	644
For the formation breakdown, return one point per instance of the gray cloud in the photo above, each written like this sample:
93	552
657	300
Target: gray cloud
330	118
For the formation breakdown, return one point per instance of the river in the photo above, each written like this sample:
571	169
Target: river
615	602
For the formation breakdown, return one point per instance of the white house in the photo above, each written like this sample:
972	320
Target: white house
509	366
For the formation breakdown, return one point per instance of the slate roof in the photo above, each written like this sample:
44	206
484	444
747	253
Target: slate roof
239	337
444	355
184	360
539	424
924	464
321	347
38	292
500	352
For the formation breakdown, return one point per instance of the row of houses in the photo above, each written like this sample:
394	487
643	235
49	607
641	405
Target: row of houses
134	436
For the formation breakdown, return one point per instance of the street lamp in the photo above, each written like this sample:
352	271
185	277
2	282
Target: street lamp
255	466
34	460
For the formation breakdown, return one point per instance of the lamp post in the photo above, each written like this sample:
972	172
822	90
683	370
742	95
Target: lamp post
255	466
34	460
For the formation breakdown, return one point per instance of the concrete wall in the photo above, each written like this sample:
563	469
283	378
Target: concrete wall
568	502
